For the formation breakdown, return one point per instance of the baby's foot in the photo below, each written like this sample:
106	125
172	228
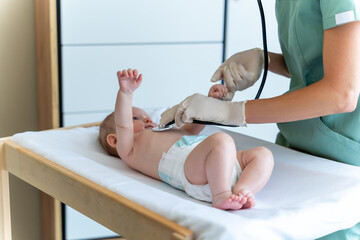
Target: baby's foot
248	196
228	201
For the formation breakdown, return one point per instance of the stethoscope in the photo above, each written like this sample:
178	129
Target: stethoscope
266	59
266	66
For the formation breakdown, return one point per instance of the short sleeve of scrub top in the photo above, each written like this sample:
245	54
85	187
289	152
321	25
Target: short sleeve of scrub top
301	26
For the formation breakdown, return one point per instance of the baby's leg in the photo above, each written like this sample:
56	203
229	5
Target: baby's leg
256	164
212	161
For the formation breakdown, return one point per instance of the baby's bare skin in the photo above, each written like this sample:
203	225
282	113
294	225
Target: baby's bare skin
149	147
148	152
210	162
234	201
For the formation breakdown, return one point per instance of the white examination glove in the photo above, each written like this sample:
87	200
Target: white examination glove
240	71
202	108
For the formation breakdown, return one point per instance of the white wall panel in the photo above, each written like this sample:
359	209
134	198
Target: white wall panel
81	118
170	73
138	21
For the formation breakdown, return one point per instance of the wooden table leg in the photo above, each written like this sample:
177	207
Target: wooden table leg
51	218
5	221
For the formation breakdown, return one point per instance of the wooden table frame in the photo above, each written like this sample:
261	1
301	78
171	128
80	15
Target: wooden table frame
117	213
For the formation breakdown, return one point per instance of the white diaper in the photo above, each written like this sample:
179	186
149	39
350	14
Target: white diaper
171	168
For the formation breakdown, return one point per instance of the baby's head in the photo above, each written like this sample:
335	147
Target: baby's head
107	133
141	120
107	127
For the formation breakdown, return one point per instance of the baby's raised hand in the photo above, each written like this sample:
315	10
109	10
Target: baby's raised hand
218	91
129	80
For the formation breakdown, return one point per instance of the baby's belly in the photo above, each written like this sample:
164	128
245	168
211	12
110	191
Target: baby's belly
149	148
156	143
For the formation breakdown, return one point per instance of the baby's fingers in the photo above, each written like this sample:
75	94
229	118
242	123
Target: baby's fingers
215	94
125	73
135	73
130	72
122	74
140	77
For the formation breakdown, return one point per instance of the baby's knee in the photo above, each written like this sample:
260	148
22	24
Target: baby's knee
222	140
261	155
265	155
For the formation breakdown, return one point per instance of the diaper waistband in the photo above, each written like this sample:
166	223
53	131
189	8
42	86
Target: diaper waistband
189	140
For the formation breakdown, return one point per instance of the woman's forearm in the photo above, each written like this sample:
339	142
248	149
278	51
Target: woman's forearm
337	92
277	64
318	99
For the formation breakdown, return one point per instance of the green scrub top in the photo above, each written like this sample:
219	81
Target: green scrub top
301	25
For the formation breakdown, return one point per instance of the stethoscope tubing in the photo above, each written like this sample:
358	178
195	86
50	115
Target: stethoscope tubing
266	67
266	54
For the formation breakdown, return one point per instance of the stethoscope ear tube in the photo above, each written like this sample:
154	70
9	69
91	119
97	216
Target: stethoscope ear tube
266	58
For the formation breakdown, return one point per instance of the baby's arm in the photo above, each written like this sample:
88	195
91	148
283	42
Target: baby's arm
129	81
216	91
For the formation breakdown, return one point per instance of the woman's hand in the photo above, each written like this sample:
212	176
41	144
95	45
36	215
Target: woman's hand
241	70
207	109
129	80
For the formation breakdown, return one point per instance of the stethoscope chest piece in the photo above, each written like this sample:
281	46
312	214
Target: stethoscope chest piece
160	128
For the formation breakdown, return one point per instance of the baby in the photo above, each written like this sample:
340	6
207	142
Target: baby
207	168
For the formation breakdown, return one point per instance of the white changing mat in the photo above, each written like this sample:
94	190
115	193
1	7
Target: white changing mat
306	197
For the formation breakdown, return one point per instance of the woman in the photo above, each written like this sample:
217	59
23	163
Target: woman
320	114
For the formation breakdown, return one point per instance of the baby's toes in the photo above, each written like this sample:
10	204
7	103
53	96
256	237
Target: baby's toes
232	198
250	196
250	200
236	198
242	198
249	204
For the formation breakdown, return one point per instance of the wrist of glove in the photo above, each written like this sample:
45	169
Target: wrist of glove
202	108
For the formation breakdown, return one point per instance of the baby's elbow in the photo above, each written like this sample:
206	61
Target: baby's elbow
124	153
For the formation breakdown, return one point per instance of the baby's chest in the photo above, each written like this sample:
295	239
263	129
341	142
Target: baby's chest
156	143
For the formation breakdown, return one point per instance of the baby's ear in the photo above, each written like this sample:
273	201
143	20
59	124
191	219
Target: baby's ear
111	140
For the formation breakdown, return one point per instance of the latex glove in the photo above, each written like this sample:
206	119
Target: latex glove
240	71
200	107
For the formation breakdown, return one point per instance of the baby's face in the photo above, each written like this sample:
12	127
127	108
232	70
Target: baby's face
141	120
